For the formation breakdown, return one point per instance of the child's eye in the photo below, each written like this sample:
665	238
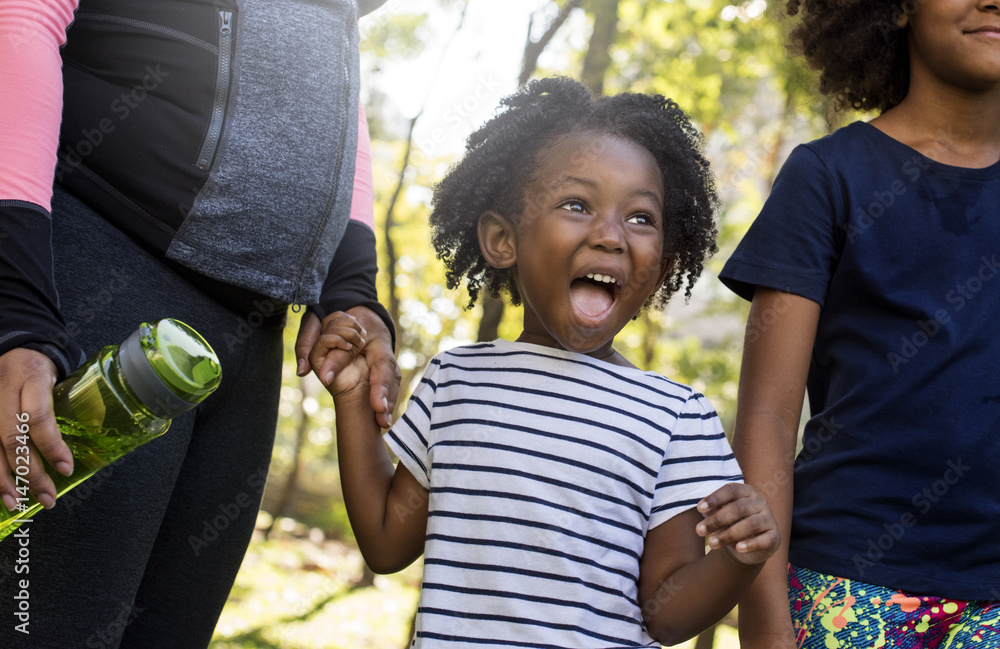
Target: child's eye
573	205
642	219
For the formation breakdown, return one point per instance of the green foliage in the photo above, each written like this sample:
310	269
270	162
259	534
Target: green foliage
708	55
395	35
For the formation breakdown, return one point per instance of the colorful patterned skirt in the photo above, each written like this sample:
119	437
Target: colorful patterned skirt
832	612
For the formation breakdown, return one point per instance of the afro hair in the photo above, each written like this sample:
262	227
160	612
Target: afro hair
858	47
502	158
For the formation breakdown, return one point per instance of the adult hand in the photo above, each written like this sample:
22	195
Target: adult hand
26	381
384	377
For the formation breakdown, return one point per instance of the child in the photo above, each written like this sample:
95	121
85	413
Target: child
872	273
559	494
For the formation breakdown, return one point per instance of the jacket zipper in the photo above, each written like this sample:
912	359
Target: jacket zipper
147	26
330	201
209	147
336	176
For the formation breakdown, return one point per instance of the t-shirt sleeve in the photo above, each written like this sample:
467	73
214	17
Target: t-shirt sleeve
795	242
409	438
698	460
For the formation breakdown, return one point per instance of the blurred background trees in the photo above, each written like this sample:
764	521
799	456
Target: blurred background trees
432	72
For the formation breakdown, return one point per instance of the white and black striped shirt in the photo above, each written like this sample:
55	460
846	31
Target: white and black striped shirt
545	470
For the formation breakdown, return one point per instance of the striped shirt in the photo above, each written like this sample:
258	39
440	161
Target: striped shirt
545	470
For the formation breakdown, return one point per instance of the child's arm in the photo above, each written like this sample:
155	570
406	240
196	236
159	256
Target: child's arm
682	590
387	507
780	332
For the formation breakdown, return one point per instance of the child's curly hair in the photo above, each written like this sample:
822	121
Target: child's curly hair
502	158
861	53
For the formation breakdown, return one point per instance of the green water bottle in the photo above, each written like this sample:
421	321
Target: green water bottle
121	398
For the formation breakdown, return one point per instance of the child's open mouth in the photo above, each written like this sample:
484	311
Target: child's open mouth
594	294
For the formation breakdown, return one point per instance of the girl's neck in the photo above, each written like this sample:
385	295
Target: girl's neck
954	127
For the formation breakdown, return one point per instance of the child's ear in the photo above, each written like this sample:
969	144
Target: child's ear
902	19
497	240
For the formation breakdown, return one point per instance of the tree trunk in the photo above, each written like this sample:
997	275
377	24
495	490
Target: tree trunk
489	325
390	222
650	336
534	49
774	150
598	58
706	639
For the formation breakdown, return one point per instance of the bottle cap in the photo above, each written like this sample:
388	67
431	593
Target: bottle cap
169	367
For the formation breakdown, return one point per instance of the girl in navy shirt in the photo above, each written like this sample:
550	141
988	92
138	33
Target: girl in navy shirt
873	270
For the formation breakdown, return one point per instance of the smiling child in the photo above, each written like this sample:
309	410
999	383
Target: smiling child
560	495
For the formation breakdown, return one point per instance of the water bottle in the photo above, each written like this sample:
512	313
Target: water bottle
121	398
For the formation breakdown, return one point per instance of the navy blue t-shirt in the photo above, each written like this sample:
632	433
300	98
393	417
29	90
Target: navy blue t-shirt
898	483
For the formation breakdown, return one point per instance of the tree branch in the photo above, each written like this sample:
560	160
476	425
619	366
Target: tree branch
392	261
534	49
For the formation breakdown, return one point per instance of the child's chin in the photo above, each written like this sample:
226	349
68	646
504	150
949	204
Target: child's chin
585	340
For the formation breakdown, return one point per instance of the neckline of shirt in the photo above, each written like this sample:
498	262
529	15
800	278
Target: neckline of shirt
504	345
979	173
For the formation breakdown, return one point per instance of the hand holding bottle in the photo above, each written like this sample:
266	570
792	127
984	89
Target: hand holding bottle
121	398
26	381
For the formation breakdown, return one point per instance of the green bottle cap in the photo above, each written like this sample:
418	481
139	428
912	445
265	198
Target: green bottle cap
169	367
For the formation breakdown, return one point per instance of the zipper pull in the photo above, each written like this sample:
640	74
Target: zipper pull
227	22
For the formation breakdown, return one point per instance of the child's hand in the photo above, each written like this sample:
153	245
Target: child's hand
384	374
738	518
337	353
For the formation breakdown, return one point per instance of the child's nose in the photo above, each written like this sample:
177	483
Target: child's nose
608	233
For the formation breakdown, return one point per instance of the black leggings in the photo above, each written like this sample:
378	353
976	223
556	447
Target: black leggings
143	555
